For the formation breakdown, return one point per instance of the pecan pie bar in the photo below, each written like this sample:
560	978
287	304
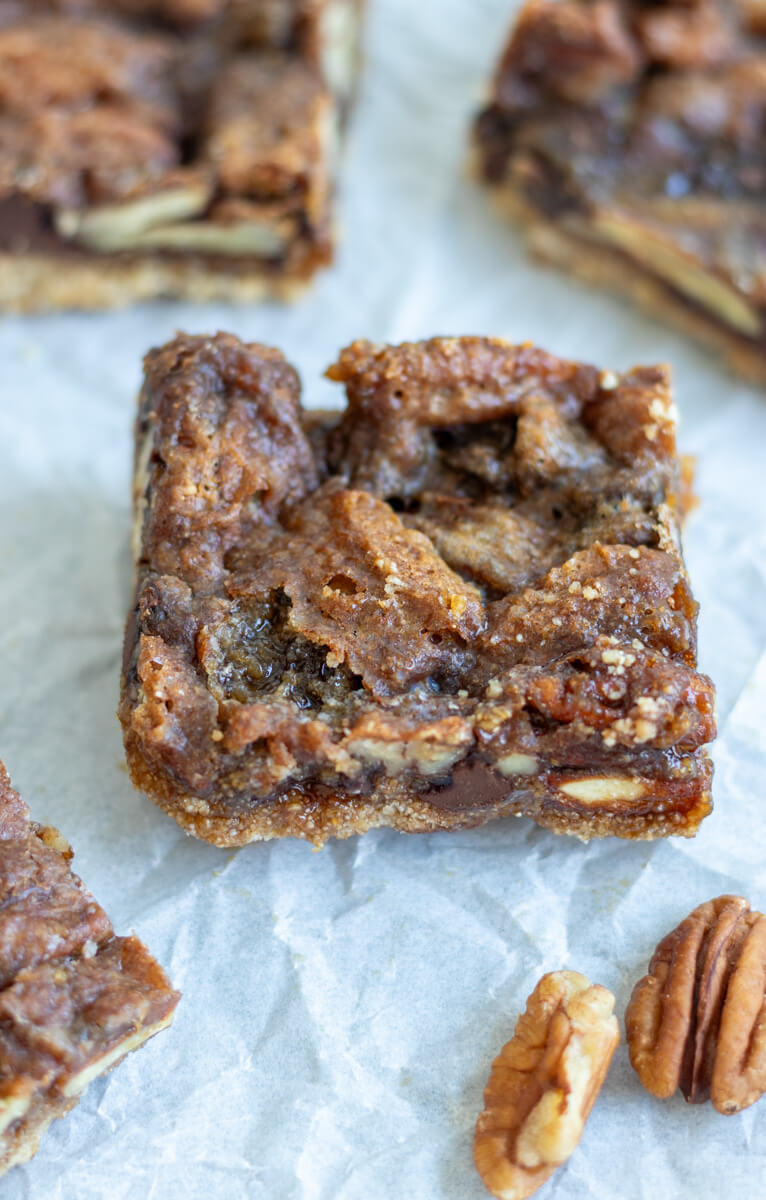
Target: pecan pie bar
463	598
629	139
176	147
74	999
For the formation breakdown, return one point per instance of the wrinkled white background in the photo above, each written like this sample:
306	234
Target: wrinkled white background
341	1009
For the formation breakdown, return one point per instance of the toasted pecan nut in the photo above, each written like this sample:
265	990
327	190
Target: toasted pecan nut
697	1020
543	1084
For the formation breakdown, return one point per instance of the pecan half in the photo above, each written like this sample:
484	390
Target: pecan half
543	1084
697	1020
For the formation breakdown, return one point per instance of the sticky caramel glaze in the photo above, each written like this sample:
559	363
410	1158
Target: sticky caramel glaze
465	599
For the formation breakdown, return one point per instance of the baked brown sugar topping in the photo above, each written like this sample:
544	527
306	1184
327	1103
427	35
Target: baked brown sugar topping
174	143
630	140
74	999
462	598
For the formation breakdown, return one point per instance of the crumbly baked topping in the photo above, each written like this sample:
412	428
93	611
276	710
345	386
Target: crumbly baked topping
466	593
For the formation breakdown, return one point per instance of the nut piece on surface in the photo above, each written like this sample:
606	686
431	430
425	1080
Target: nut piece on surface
697	1020
544	1083
122	226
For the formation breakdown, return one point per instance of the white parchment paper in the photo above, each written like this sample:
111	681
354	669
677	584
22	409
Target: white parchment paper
341	1009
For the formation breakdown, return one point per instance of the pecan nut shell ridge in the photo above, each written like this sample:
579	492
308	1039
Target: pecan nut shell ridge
697	1020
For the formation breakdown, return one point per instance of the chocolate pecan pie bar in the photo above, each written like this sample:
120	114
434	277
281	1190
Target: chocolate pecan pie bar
629	139
168	147
74	999
463	598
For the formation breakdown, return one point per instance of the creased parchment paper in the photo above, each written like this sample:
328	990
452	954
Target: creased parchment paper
341	1009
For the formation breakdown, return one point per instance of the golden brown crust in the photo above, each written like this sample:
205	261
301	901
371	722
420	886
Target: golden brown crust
465	600
34	283
317	814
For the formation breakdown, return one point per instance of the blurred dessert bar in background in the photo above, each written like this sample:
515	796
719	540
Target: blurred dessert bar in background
629	140
169	147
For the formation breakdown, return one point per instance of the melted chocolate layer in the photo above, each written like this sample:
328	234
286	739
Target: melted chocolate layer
473	785
27	228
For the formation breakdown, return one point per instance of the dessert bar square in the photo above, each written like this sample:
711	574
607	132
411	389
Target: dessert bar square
629	140
179	147
74	999
462	598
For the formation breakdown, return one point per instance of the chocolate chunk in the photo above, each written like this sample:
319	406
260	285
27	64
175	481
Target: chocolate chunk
472	786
